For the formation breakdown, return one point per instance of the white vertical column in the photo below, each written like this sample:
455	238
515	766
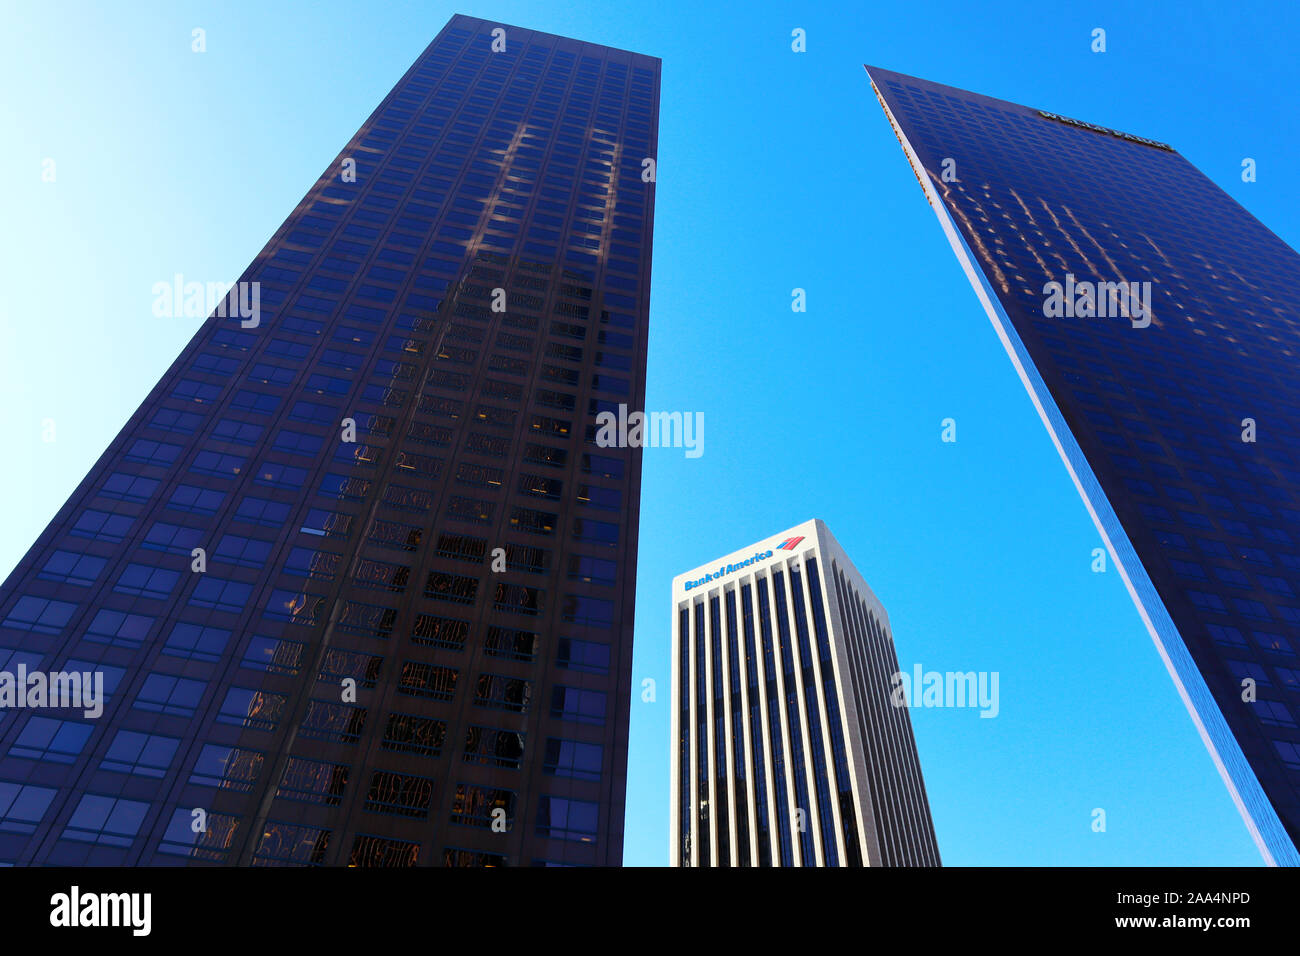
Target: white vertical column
711	752
792	800
837	632
695	741
823	712
675	732
725	646
746	744
812	814
769	775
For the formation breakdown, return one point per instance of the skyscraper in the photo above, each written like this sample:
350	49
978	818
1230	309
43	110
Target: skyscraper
1153	322
357	578
787	747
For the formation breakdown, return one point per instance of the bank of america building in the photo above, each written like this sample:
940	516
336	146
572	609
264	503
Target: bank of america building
409	648
787	750
1178	420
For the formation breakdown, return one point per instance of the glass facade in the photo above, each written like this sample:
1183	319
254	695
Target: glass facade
1152	320
410	639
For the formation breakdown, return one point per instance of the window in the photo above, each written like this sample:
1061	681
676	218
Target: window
189	390
220	594
269	514
451	856
533	522
602	466
102	526
242	551
147	452
227	768
22	806
50	740
398	794
479	476
427	680
236	432
456	588
541	486
592	570
276	475
119	628
470	509
197	642
383	851
212	844
336	524
339	665
172	538
494	748
1273	713
406	733
294	606
313	781
69	567
219	465
498	692
596	532
370	620
246	401
165	694
586	656
511	644
315	412
518	599
563	819
112	675
203	501
572	758
546	455
106	820
255	709
474	806
381	575
606	499
580	706
296	443
145	755
42	615
128	487
344	487
329	720
276	655
587	611
144	580
292	844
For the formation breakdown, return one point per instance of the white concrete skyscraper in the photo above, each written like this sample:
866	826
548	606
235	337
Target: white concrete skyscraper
787	750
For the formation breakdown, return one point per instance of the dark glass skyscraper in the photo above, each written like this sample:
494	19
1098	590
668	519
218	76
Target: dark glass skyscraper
1153	321
357	576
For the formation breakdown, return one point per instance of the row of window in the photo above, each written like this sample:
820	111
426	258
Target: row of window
262	710
117	821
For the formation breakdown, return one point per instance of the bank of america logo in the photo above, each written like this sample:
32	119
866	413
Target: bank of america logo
789	544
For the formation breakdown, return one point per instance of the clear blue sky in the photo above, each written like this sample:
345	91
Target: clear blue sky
776	170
